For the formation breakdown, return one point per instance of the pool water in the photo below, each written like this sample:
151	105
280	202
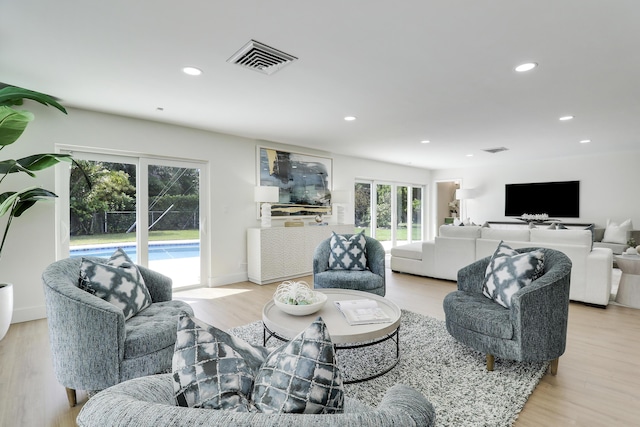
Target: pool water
157	251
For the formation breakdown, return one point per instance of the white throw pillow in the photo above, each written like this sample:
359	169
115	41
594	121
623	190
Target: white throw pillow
615	233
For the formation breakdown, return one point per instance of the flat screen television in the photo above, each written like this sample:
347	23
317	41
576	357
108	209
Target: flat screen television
556	199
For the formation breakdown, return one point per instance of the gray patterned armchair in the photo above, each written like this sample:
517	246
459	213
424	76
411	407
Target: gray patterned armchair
370	280
92	346
533	329
150	402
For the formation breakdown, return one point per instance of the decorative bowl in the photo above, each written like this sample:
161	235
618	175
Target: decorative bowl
302	309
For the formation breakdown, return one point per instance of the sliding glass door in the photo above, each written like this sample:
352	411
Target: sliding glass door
149	207
391	212
173	221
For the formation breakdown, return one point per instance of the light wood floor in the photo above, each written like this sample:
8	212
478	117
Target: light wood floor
598	381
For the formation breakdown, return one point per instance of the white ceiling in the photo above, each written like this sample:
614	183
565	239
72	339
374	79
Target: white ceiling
408	70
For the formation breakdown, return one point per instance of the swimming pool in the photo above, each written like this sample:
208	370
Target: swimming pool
157	251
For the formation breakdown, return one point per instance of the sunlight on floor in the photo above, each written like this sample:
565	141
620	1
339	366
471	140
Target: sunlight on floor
207	293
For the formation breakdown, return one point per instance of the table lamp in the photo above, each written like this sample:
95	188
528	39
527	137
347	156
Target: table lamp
266	195
339	198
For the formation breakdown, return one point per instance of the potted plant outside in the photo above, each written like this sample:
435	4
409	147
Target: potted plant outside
14	203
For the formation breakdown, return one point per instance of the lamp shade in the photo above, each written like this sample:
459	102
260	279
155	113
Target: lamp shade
265	194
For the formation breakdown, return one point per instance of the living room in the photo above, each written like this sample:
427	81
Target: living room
608	181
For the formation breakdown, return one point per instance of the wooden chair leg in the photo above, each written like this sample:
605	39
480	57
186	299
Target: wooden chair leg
71	396
490	360
553	367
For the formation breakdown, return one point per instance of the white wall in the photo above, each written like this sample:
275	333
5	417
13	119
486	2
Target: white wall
608	186
232	170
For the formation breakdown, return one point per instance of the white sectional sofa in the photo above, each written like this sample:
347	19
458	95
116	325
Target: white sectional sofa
456	247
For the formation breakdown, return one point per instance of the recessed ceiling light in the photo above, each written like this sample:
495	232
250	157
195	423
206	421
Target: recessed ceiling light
192	71
585	141
565	118
526	67
469	155
425	141
350	118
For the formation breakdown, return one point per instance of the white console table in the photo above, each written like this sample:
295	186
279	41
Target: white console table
281	253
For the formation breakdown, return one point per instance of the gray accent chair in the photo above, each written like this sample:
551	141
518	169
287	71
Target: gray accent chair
92	345
149	402
533	329
370	280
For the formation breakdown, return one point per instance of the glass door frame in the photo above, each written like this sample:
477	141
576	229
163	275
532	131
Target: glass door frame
394	188
142	163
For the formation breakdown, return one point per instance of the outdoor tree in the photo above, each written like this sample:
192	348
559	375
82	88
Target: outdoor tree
362	200
110	190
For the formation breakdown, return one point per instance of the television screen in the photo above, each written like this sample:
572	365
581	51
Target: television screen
556	199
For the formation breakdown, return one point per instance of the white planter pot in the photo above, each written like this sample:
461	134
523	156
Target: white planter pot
6	307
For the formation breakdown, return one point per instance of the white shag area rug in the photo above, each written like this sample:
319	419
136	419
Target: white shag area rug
451	375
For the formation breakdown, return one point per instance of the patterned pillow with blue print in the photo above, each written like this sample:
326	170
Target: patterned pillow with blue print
118	281
348	253
215	370
509	271
301	377
212	369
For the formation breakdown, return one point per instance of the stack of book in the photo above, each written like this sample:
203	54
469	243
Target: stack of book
362	312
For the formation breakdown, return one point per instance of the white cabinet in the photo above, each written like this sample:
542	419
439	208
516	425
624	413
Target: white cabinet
281	253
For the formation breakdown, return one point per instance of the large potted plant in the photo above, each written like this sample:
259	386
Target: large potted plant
14	203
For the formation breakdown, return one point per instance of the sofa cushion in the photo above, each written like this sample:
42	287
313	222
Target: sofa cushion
563	237
617	233
153	329
118	281
591	228
212	369
467	232
410	251
302	376
348	253
505	234
509	271
616	248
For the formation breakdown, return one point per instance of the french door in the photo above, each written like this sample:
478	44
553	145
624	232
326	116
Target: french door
152	208
390	212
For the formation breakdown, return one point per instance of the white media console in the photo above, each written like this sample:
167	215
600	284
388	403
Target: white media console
281	253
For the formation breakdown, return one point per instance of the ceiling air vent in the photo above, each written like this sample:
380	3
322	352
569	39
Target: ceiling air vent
495	150
260	57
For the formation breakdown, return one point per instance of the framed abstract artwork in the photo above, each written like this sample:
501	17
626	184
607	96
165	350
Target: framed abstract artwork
304	182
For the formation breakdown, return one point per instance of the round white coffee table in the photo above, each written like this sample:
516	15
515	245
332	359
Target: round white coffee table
284	327
629	288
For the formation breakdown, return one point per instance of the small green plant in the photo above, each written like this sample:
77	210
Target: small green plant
631	242
12	125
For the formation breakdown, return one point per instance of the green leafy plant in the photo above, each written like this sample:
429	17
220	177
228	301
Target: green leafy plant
12	124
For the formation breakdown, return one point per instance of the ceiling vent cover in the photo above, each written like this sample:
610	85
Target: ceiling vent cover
495	150
260	57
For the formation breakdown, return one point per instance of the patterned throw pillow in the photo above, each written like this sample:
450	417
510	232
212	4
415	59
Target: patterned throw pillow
212	369
348	253
302	376
509	271
617	233
117	281
215	370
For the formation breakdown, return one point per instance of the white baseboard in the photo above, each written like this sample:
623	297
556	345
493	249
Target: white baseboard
29	313
229	279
